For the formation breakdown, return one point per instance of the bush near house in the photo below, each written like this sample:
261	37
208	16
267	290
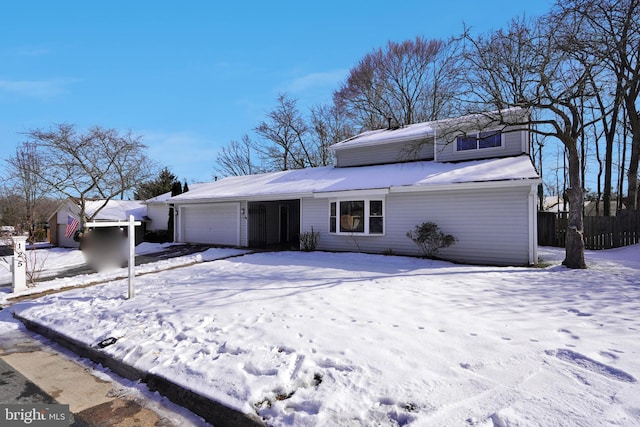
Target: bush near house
430	238
309	240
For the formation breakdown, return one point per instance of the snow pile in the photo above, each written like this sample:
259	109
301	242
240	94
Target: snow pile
347	339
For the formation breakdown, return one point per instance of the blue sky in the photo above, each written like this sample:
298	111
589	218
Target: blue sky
191	76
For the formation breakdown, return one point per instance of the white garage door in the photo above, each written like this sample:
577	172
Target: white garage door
216	224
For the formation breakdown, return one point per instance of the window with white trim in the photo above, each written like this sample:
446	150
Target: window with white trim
364	216
479	141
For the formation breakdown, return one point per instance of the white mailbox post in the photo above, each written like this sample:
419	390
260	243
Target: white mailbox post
19	267
131	224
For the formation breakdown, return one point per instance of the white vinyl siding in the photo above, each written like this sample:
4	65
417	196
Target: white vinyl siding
210	223
158	213
491	225
63	241
61	222
384	153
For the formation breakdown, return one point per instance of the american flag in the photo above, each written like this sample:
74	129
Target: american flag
72	224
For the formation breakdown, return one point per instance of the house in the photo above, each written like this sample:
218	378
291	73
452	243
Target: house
157	211
469	175
557	204
113	210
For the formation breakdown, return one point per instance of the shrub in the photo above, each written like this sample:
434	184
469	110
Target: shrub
39	235
309	240
430	238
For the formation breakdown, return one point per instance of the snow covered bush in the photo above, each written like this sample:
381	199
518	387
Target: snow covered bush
430	238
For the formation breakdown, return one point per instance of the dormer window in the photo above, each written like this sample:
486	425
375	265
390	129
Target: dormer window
479	141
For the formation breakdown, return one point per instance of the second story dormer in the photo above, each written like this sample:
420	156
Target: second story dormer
472	137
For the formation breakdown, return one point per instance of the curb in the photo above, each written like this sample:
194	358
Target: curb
212	411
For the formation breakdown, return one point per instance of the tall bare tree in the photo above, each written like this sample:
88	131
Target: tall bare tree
611	31
407	82
286	137
99	163
541	65
328	126
616	35
237	158
24	170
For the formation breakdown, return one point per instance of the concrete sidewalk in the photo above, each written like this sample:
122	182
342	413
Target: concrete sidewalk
40	374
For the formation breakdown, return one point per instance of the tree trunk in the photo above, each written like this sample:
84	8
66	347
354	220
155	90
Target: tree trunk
608	170
574	251
632	173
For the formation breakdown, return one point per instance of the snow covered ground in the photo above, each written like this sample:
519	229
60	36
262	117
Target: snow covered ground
344	339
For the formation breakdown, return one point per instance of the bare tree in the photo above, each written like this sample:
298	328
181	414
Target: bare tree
407	82
99	163
611	31
286	135
616	28
541	65
328	126
24	170
236	159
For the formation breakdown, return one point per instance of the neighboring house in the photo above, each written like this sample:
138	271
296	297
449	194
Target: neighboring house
556	204
471	177
158	211
115	210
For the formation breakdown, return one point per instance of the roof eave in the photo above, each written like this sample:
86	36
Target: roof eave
244	198
473	185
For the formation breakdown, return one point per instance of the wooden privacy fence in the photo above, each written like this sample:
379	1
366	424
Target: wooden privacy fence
600	232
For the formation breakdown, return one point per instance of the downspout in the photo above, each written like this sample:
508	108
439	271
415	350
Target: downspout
533	226
177	229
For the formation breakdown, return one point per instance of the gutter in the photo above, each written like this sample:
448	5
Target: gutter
478	185
254	198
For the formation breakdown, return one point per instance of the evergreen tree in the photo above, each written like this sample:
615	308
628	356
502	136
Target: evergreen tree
162	184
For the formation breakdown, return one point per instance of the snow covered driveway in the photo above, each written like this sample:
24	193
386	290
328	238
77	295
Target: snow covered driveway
326	339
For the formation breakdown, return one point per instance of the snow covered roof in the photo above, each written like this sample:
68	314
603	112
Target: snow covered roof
116	210
425	130
162	198
397	176
159	199
406	133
